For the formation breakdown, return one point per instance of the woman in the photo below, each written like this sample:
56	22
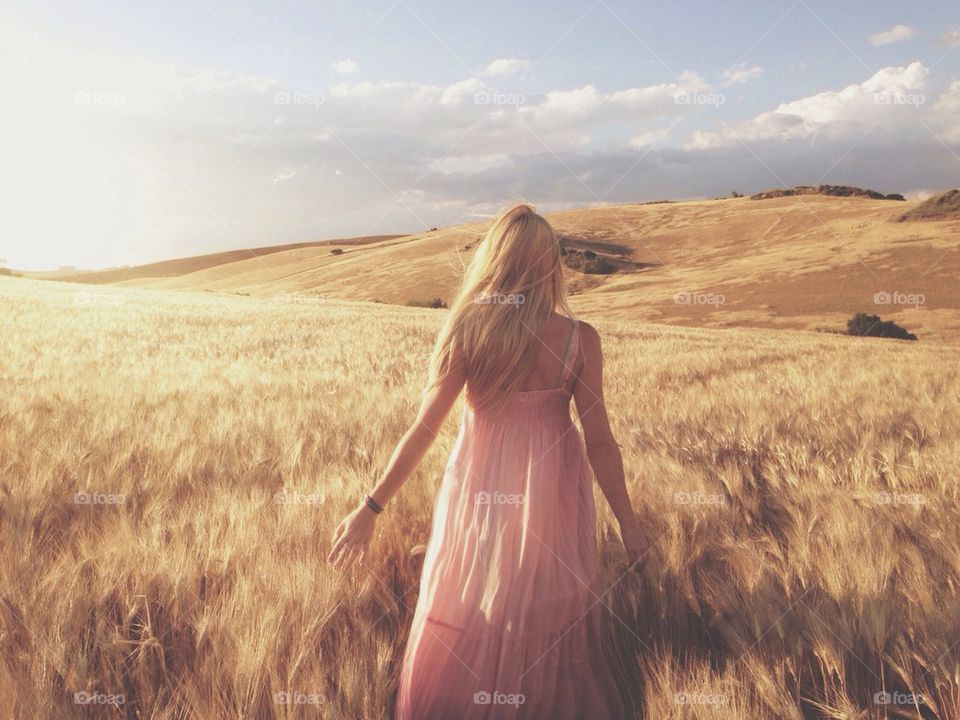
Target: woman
508	620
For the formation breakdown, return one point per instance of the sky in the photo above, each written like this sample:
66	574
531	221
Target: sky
137	131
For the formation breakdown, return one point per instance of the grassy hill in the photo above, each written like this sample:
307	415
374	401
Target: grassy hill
804	261
188	265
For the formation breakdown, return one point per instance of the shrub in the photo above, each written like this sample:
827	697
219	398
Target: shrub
435	303
599	266
587	261
864	325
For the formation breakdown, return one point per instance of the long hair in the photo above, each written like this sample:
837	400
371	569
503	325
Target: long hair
510	290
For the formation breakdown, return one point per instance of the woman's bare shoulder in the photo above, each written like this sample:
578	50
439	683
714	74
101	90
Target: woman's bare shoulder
559	326
588	333
590	351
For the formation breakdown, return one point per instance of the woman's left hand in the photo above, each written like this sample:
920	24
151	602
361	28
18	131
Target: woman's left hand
635	542
352	536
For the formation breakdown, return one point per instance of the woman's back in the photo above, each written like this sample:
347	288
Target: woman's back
545	392
555	342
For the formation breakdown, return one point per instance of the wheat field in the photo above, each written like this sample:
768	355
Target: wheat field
172	465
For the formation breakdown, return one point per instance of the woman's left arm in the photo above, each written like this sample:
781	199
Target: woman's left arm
353	534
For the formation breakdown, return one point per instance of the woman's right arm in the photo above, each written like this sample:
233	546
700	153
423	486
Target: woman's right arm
602	448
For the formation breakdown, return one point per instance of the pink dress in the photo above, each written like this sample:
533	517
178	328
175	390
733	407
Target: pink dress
508	623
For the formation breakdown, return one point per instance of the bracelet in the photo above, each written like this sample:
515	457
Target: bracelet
372	504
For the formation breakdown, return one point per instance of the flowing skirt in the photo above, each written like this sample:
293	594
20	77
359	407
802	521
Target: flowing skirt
509	620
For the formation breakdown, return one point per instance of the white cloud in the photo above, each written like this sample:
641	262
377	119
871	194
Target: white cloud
482	121
347	66
283	175
650	137
893	98
951	37
587	103
739	74
460	92
470	163
506	66
898	33
947	111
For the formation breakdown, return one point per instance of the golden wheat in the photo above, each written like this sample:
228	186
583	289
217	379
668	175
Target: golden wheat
172	465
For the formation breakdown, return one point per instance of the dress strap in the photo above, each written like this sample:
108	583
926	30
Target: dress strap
570	359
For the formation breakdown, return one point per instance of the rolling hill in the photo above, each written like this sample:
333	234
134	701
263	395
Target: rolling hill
794	261
184	266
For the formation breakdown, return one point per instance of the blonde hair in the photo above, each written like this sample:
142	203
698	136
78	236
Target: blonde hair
510	290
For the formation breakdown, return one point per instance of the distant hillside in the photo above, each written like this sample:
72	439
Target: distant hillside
183	266
830	190
733	262
945	206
